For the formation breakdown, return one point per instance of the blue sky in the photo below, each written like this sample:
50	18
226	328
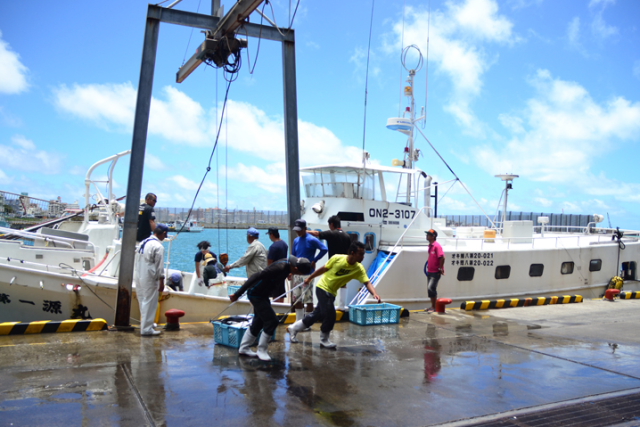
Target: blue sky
544	89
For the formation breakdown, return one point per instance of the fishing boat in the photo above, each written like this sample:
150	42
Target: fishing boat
182	226
70	270
507	260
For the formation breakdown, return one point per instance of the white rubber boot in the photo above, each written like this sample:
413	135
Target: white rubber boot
247	342
299	314
262	347
294	329
324	340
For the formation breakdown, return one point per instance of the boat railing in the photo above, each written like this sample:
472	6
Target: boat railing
61	268
66	241
594	237
362	295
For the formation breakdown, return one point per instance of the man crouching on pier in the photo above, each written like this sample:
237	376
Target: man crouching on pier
259	287
337	272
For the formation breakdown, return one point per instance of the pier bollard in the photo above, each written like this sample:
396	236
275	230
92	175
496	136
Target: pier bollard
173	319
610	294
441	303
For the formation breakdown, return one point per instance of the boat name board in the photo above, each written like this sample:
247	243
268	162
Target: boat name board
50	306
476	259
386	213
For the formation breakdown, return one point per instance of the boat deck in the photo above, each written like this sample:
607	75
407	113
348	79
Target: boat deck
544	365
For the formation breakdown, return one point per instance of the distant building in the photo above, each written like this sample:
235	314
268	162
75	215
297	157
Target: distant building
56	208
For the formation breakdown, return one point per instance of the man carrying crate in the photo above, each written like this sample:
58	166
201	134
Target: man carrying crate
337	272
259	287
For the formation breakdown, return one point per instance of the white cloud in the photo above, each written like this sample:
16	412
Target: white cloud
108	106
180	119
521	4
253	131
23	155
573	34
177	190
599	27
112	106
13	73
565	132
456	47
9	119
543	202
4	178
272	178
480	18
154	162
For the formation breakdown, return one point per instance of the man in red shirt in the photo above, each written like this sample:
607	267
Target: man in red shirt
435	267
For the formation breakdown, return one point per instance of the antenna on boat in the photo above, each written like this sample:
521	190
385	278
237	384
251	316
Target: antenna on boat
508	179
405	124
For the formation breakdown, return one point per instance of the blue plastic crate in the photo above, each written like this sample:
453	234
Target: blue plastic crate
231	335
374	314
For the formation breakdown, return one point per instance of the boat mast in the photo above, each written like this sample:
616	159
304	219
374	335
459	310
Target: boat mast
508	179
405	124
409	154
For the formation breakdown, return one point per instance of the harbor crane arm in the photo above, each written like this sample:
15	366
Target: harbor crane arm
220	43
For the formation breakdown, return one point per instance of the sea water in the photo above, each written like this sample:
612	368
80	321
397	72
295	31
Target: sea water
181	252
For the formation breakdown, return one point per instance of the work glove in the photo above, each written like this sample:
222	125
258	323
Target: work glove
200	281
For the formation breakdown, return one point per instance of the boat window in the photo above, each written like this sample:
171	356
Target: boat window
355	236
503	271
342	182
465	273
536	270
351	216
629	270
595	265
369	242
567	267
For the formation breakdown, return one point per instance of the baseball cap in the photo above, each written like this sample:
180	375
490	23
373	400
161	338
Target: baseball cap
253	232
175	277
271	230
162	227
302	264
300	225
432	231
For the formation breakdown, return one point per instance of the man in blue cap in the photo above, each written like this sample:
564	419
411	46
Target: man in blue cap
175	282
255	258
150	277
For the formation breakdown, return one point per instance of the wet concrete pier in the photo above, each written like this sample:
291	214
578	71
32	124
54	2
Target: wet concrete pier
575	364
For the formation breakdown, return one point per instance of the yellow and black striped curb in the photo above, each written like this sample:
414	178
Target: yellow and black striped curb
49	326
522	302
629	295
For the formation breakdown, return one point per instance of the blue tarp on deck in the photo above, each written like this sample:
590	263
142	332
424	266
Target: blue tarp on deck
380	260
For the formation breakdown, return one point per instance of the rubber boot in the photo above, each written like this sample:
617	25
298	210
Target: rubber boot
247	342
324	340
262	347
294	329
299	314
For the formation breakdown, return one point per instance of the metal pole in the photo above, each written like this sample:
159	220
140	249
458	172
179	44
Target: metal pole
291	133
136	166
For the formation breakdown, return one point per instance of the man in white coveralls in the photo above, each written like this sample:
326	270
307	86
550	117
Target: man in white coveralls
150	278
